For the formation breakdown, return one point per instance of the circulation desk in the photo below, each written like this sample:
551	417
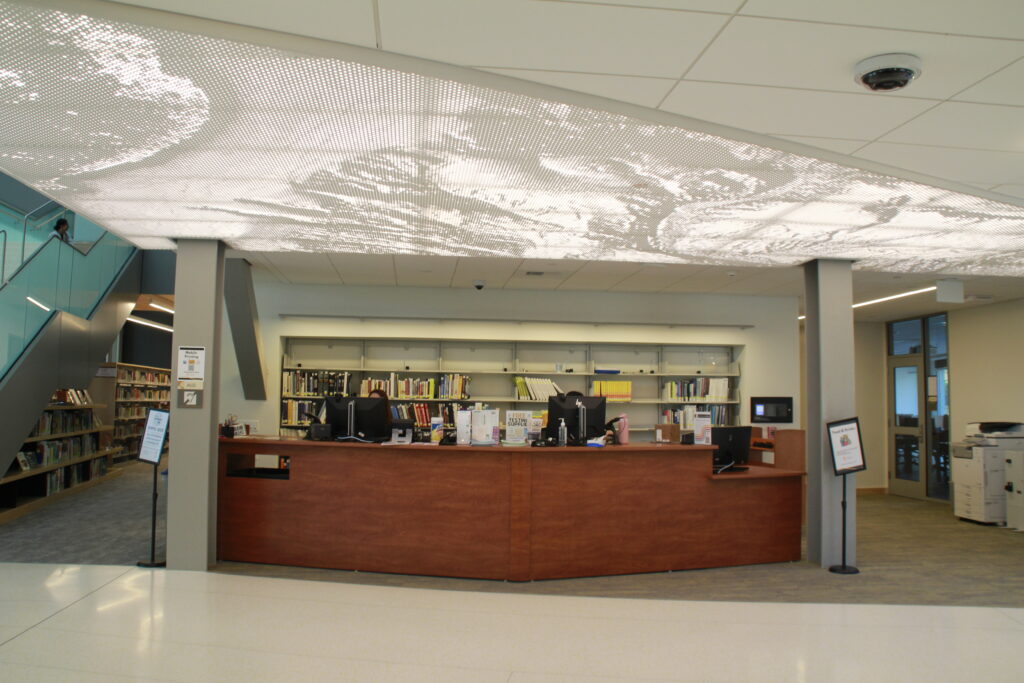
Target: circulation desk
501	513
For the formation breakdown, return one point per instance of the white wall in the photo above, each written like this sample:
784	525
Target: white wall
769	361
869	361
986	370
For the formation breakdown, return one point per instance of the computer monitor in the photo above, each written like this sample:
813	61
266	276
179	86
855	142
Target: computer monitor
567	407
733	447
357	417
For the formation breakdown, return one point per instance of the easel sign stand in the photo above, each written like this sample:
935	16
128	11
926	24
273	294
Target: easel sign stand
847	457
150	448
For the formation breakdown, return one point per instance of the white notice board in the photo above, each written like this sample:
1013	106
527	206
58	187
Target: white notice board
152	443
847	447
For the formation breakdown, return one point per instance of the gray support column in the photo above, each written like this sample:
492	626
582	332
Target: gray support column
192	488
828	294
240	299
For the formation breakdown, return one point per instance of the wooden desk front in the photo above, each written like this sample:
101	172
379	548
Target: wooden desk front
503	513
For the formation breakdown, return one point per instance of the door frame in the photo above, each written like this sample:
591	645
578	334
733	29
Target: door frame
906	487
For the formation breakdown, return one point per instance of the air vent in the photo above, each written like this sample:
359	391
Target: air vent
535	273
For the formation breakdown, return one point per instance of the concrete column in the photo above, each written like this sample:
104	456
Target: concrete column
828	295
192	487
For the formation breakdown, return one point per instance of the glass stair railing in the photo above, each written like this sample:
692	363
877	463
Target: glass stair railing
55	276
21	234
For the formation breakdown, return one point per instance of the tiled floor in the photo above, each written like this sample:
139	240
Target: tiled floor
96	623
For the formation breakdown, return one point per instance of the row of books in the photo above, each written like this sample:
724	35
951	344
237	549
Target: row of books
423	412
71	397
294	412
447	386
129	430
684	416
613	390
66	477
125	412
64	421
44	453
697	388
143	376
135	393
536	388
314	382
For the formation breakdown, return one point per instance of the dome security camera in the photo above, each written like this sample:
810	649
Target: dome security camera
479	284
884	73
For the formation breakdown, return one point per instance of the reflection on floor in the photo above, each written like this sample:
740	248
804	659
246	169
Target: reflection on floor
98	623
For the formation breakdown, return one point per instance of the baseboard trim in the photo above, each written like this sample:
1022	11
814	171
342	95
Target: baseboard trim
880	490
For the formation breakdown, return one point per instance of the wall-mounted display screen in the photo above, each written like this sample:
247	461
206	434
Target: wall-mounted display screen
774	409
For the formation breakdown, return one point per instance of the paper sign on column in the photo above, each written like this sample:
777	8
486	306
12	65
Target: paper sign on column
191	367
702	427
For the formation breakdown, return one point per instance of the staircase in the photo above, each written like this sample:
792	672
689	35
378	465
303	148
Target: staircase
61	307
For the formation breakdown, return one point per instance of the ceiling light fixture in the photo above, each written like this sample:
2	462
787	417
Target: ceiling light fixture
45	308
162	308
885	298
150	323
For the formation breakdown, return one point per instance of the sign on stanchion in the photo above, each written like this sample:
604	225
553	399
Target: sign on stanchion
847	457
150	449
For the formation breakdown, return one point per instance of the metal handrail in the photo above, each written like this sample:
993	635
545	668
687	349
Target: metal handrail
3	257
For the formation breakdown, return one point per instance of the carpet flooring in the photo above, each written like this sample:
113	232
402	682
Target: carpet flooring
909	552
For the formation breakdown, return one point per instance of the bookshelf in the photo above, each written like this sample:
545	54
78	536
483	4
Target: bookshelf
652	383
69	449
129	391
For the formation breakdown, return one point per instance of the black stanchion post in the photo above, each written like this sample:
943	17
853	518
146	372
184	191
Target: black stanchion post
152	536
844	568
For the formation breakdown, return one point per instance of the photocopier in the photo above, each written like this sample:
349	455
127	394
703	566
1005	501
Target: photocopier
988	474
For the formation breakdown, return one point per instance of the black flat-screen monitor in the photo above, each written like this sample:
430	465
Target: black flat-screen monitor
733	448
777	409
567	407
357	417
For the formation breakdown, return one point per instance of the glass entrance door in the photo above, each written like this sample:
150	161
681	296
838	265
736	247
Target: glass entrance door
907	448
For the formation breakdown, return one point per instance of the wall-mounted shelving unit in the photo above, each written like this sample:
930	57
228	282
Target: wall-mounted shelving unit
655	382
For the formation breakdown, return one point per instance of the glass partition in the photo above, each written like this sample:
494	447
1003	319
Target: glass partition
56	277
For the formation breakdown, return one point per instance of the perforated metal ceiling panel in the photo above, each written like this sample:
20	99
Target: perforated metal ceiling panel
157	133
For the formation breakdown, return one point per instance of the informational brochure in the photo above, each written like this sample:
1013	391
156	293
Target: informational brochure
517	426
486	429
702	427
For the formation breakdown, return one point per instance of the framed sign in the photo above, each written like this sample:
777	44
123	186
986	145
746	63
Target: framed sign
152	444
847	447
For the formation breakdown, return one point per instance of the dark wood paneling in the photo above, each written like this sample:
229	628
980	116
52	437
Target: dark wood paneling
504	513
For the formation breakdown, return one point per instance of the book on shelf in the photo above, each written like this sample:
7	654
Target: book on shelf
697	388
315	382
536	388
23	462
613	390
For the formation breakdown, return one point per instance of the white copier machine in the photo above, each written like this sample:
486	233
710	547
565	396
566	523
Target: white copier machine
988	474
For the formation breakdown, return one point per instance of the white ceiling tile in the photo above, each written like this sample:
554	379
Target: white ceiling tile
343	22
1011	190
646	92
962	165
365	269
782	111
726	6
424	271
304	268
548	35
600	275
656	277
754	281
959	124
1003	18
777	53
1004	87
494	271
831	144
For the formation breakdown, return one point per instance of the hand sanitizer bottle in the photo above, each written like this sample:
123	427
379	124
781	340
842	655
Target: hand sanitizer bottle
563	432
623	427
